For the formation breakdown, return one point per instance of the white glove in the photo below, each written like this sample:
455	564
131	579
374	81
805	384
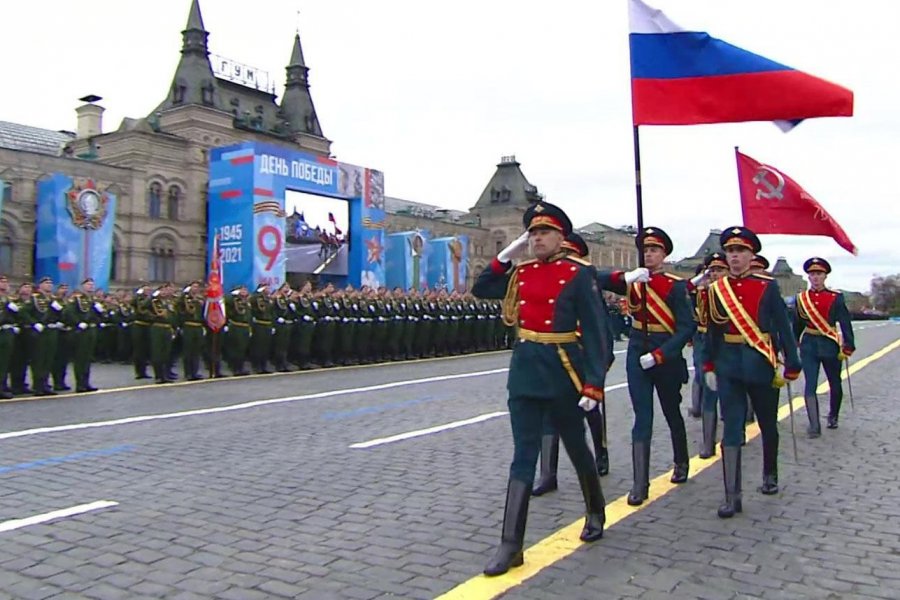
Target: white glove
293	306
514	250
225	329
82	326
307	318
55	306
13	307
273	331
280	320
587	403
102	325
711	381
16	330
39	327
647	361
700	278
98	307
641	274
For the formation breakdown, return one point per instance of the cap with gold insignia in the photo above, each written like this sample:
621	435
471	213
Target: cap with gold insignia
544	214
716	259
740	236
816	264
45	279
759	261
654	236
575	243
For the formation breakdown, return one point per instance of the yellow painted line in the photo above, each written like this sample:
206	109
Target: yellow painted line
565	542
235	379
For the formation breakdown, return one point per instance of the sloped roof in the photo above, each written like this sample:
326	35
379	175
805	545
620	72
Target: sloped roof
33	139
508	186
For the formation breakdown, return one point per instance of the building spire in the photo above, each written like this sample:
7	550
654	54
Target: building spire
296	103
297	53
194	36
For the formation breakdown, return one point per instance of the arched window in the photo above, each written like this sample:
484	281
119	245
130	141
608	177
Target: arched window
6	255
172	205
154	200
162	259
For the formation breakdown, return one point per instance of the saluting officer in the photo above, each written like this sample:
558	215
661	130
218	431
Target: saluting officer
819	312
548	298
193	329
660	302
162	332
746	316
575	245
140	332
261	338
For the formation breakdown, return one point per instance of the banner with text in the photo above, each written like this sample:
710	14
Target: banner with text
247	188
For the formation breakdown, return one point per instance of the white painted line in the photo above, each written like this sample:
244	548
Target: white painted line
439	428
430	430
243	406
56	514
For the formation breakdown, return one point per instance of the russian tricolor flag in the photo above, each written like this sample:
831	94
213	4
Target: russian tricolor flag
681	77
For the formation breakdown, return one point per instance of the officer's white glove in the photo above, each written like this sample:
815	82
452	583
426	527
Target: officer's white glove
12	306
280	320
102	325
711	382
647	361
307	318
16	330
56	306
293	306
587	403
641	274
39	327
273	331
699	278
98	307
514	250
225	329
82	326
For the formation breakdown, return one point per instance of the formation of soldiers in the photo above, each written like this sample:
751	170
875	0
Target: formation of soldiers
747	346
52	331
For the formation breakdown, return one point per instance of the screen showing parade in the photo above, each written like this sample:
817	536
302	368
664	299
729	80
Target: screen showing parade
317	234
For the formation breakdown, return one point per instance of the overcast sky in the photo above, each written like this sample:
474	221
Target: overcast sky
433	94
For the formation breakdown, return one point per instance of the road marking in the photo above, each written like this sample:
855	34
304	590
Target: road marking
455	424
564	542
430	430
234	379
245	405
56	514
58	460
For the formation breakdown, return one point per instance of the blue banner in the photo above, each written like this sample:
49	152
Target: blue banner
247	189
447	263
74	231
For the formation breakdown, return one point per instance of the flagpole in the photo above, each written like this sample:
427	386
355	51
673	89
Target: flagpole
639	197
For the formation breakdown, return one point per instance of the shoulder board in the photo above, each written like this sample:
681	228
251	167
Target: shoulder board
579	260
527	262
835	292
763	277
673	276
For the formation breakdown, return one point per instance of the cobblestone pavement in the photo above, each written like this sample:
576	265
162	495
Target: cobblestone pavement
270	500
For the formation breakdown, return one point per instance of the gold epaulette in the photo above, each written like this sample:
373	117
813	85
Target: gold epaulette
579	260
764	276
673	276
526	262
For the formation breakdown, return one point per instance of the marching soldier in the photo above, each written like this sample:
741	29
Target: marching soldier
9	311
18	363
162	333
284	312
819	312
59	365
759	264
193	329
575	245
126	321
716	267
44	318
261	338
83	314
697	380
305	328
140	332
654	360
548	298
746	317
238	312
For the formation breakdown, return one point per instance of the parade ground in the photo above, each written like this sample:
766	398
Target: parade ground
388	481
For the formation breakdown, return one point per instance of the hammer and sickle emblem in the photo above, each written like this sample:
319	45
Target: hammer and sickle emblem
765	188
